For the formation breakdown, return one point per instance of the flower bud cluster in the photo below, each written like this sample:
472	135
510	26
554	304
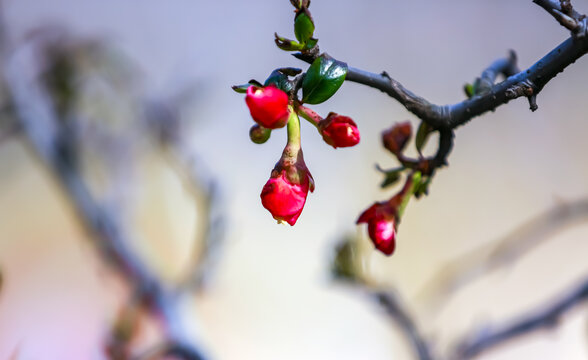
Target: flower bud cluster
285	193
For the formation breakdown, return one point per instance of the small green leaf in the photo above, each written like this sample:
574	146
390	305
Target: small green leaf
310	43
255	83
422	188
468	89
391	178
422	136
324	77
241	89
303	27
280	80
290	71
287	44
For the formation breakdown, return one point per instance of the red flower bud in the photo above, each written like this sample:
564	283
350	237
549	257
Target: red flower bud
284	194
381	220
339	131
268	106
395	138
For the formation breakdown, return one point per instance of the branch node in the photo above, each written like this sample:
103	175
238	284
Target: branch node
566	21
524	88
582	28
533	102
566	6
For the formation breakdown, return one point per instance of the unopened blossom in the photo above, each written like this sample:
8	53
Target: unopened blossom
395	138
284	194
381	221
339	131
268	106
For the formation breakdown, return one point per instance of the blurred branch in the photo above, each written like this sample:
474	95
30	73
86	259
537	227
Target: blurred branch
166	126
40	125
210	232
544	318
401	317
169	349
346	267
8	127
505	251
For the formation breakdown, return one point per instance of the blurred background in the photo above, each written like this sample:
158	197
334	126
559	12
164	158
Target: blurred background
271	294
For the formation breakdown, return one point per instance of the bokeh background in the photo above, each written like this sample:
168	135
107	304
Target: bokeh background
271	296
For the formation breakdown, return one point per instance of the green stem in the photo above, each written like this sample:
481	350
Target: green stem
309	115
293	128
408	190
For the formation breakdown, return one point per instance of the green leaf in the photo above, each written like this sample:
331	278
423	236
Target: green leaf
287	44
422	136
310	43
468	89
280	80
303	27
241	89
391	178
324	77
422	188
255	83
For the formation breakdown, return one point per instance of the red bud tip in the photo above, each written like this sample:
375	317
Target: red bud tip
268	106
339	131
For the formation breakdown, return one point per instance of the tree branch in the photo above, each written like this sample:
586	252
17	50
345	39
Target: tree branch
389	302
166	126
40	125
547	317
525	83
507	67
565	14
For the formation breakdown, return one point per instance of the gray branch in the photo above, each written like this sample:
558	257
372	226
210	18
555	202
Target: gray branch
527	83
565	14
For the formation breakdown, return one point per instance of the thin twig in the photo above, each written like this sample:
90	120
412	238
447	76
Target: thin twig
166	126
390	303
507	67
503	252
543	318
566	15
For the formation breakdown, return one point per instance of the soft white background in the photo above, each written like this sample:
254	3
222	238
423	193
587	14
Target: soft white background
271	298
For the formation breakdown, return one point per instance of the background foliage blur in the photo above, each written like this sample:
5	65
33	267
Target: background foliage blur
271	295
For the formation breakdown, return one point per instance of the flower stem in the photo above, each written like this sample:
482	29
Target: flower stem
293	128
309	115
408	190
